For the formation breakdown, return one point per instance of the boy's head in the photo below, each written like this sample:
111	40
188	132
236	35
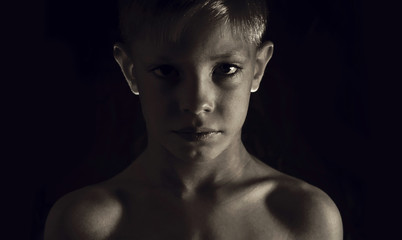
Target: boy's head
193	65
167	20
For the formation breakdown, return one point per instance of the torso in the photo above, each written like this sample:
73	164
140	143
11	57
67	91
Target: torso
233	212
160	215
269	205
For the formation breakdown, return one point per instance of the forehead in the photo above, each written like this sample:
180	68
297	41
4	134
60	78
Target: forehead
199	40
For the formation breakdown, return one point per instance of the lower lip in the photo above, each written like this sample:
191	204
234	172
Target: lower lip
197	137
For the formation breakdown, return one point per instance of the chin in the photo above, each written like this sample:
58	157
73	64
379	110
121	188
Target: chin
198	153
199	150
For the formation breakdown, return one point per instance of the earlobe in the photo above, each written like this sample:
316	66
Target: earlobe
263	56
126	66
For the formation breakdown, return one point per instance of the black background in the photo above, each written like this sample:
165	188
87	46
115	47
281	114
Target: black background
325	112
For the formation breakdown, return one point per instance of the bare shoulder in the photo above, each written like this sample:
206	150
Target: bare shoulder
306	211
88	213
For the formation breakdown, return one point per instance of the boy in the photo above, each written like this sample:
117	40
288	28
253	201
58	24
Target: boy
194	65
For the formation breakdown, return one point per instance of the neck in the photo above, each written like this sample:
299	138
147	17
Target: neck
189	176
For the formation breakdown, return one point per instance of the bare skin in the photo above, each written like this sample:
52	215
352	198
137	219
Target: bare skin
261	203
200	182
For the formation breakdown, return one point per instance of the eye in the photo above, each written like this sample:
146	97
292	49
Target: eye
227	69
165	71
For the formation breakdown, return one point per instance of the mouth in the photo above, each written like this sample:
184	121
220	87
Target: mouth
197	134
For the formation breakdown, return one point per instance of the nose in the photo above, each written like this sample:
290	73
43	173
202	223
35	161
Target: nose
197	96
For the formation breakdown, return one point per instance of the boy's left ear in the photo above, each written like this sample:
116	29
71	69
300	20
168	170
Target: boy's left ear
264	54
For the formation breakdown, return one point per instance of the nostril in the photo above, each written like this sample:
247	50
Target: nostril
207	109
196	100
198	109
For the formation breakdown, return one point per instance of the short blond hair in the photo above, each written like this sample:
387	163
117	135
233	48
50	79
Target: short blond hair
161	20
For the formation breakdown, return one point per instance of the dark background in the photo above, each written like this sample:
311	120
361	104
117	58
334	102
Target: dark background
324	113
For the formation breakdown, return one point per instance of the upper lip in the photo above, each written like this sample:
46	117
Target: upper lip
196	130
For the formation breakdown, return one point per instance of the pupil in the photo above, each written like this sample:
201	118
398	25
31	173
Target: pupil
165	70
226	68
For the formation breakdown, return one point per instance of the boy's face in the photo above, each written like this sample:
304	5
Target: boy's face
195	92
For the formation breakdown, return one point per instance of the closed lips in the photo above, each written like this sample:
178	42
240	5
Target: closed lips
196	130
197	134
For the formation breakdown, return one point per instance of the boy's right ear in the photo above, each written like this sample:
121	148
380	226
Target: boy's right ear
126	66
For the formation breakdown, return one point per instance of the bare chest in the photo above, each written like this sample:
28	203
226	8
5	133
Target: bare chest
165	218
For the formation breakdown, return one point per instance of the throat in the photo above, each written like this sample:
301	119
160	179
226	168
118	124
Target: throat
187	179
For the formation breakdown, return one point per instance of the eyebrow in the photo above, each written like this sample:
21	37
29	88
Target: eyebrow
231	54
234	54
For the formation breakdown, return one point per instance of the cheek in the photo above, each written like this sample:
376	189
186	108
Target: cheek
152	105
234	107
159	108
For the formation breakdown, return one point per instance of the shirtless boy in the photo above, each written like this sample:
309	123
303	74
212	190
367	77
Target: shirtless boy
194	64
